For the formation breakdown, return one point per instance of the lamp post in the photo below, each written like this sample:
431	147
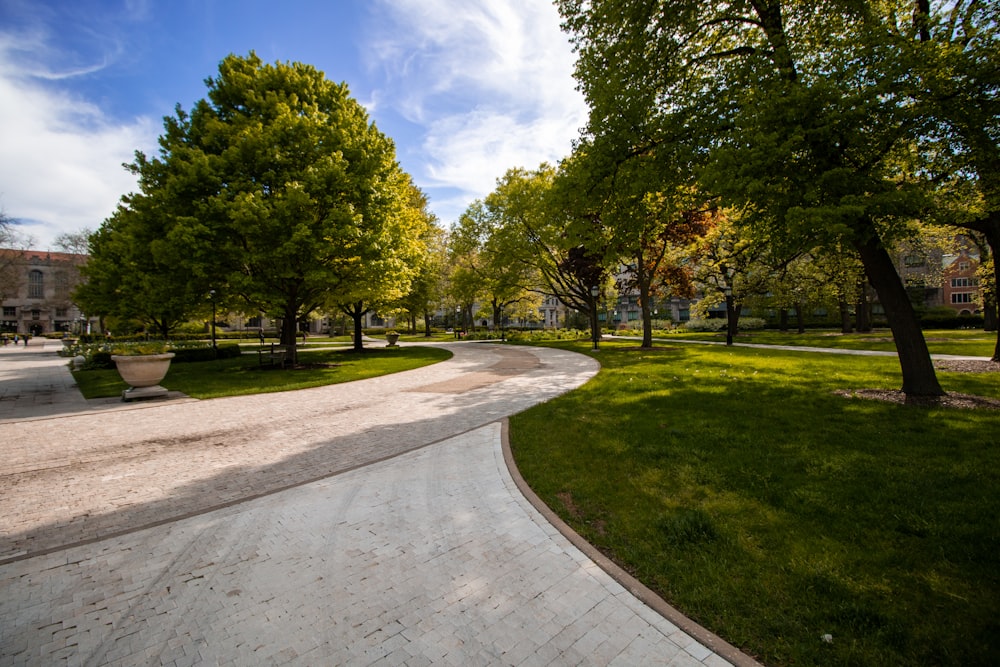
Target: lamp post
211	295
729	315
594	292
458	312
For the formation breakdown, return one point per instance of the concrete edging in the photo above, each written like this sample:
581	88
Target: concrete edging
709	639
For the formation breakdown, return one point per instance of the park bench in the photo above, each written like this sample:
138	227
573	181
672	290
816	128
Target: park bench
273	356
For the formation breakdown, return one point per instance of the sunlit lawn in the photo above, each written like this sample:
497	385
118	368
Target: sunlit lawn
232	377
736	483
968	342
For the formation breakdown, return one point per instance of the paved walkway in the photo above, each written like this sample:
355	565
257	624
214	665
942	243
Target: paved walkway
374	522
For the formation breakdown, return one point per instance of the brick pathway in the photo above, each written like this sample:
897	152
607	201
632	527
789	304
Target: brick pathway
369	523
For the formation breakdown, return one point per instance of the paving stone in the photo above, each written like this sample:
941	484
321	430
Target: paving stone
374	523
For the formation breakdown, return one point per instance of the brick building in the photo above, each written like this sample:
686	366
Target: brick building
35	291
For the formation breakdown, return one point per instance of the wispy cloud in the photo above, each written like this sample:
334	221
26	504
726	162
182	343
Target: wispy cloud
490	83
60	156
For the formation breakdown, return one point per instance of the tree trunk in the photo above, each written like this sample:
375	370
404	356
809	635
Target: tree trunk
288	336
863	311
919	377
800	317
733	310
992	310
357	313
647	316
427	324
845	317
783	320
595	322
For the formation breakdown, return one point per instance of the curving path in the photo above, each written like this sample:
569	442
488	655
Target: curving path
374	522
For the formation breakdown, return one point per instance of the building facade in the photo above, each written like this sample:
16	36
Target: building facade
960	287
36	292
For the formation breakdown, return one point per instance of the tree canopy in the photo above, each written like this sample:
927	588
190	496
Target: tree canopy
276	192
798	115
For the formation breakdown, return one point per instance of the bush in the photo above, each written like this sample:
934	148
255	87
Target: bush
99	359
98	355
698	324
719	324
538	335
946	318
192	354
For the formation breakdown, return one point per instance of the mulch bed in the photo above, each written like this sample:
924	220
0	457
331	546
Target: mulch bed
953	400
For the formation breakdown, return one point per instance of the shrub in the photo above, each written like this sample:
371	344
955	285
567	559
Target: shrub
537	335
698	324
192	354
946	318
99	359
719	324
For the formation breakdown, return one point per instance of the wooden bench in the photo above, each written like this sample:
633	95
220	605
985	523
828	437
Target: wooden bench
274	356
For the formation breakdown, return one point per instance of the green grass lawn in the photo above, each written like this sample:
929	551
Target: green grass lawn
738	485
233	377
976	343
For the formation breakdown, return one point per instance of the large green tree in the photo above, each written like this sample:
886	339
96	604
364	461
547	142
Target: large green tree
792	113
281	192
951	54
135	273
489	243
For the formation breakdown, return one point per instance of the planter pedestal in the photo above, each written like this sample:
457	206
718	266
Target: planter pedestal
143	373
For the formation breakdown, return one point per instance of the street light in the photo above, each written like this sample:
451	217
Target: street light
594	292
211	295
729	315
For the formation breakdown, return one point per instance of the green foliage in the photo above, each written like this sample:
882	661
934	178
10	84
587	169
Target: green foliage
206	353
276	192
540	335
719	324
800	118
946	318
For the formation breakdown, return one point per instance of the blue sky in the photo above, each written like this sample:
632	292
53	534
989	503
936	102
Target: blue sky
465	88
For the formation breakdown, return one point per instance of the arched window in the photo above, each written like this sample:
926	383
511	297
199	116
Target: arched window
36	285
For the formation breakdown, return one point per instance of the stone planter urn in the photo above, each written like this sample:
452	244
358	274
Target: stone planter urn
143	373
392	338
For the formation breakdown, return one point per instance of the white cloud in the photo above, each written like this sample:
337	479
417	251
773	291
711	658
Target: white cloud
60	156
490	83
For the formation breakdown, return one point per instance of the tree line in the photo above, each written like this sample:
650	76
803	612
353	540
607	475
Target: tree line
751	147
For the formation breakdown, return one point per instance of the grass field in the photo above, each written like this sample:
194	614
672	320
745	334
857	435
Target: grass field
738	485
233	377
976	343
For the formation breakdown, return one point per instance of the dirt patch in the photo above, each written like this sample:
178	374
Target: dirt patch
959	401
566	498
967	366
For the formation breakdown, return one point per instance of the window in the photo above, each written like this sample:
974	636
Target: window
10	311
963	266
964	282
36	285
963	297
913	261
60	312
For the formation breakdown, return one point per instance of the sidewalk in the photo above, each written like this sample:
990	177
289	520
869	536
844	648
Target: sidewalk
374	522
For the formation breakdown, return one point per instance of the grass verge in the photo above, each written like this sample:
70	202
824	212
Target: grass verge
976	343
234	377
734	482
